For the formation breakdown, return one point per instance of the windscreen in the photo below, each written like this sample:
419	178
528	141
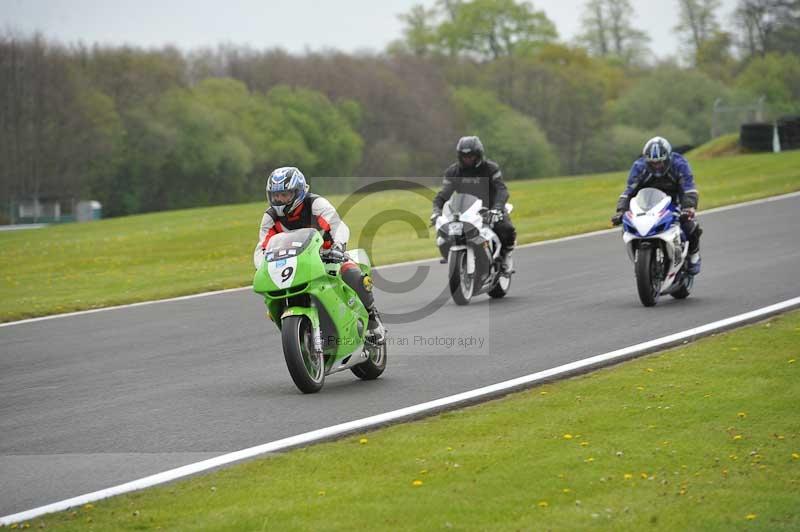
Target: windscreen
647	198
289	243
460	203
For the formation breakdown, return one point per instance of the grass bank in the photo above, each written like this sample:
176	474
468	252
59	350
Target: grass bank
705	437
137	258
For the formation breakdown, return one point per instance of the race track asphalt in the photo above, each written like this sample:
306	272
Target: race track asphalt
95	400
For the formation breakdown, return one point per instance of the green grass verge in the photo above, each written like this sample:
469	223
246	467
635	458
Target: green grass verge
81	266
723	146
705	437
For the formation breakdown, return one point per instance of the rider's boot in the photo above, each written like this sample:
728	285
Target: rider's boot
375	327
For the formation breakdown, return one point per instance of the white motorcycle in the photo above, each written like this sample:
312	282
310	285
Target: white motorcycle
657	246
465	237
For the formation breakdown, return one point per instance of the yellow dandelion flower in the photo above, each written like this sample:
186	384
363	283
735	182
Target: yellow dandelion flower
567	436
363	441
543	504
796	456
791	361
627	476
417	483
589	460
750	517
584	443
566	490
742	415
542	393
644	476
737	437
321	493
449	448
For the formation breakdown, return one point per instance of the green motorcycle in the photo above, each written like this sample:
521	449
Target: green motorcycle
322	320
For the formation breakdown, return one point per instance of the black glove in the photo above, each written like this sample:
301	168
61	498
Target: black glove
617	218
434	216
493	216
687	214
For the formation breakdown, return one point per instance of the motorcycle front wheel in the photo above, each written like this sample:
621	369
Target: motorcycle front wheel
460	281
648	282
306	366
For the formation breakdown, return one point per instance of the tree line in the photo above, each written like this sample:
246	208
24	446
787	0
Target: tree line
153	129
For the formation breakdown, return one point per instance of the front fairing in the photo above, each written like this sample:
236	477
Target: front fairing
461	220
291	261
651	212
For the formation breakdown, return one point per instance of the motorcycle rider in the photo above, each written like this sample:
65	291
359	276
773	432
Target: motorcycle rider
474	174
293	207
660	168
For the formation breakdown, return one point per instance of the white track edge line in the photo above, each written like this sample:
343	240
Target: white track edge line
384	267
407	412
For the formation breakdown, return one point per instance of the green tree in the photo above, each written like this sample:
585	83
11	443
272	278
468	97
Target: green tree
490	29
609	32
697	22
670	96
777	77
769	26
511	138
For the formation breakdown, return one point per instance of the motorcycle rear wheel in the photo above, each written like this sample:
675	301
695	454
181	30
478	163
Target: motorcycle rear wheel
306	366
373	367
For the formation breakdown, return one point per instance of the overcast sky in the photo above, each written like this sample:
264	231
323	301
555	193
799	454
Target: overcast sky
294	25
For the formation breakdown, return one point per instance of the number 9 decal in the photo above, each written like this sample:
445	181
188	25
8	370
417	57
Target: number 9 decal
282	272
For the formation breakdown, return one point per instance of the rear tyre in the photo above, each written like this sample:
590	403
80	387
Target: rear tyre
460	281
306	366
501	287
374	365
685	289
648	283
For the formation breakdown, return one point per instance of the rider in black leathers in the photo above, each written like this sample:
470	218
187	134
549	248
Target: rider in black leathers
473	174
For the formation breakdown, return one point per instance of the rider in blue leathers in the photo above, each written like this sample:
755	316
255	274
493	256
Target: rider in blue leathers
660	168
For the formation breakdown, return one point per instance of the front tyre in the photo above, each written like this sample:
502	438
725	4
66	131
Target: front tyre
460	281
373	367
306	366
648	282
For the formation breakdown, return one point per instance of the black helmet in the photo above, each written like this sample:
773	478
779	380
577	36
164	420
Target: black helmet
469	147
657	154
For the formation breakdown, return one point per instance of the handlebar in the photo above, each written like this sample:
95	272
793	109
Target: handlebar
333	255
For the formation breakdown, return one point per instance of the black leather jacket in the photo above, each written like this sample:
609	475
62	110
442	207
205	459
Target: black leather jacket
484	181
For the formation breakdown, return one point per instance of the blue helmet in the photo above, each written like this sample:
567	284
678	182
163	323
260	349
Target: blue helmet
657	154
286	179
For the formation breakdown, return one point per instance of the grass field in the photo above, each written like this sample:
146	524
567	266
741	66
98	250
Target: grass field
82	266
705	437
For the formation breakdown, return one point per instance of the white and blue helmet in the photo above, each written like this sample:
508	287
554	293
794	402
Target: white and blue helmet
286	179
657	154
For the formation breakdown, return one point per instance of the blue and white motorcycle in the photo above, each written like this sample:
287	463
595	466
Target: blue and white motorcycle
657	246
